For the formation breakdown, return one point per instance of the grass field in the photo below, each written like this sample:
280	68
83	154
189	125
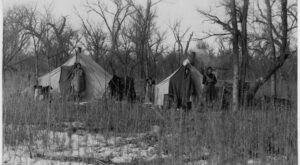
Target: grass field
110	132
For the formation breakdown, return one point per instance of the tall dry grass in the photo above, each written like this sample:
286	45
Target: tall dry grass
221	137
244	134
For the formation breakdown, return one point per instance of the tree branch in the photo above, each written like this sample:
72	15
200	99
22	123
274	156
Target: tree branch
213	35
216	19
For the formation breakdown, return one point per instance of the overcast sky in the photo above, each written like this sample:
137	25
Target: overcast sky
168	11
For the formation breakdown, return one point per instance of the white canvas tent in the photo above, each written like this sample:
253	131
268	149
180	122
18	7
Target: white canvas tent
95	76
161	89
201	58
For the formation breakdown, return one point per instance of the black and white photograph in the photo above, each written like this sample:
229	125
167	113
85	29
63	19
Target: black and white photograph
149	82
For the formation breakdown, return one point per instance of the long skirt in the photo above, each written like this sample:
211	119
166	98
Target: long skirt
210	93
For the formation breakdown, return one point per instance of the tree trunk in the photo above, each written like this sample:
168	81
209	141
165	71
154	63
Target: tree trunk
284	46
147	63
259	82
126	64
187	45
283	54
36	67
272	44
142	62
113	51
36	61
235	90
179	54
244	61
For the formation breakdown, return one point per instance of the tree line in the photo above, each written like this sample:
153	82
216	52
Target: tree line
269	33
127	40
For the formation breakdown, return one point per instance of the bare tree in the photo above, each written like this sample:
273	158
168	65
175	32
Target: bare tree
284	50
179	36
142	26
127	48
14	39
283	21
157	49
235	39
94	39
230	27
61	40
272	45
51	40
34	28
244	45
113	21
258	40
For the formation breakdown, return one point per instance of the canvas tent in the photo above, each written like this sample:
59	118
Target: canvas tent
162	88
96	78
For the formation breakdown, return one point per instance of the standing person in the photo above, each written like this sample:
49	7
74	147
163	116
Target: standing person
148	91
78	81
209	80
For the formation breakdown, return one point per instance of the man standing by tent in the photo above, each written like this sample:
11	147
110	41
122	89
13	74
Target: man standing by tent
149	90
209	80
78	81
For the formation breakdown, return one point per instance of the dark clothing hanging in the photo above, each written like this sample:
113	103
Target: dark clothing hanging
182	87
121	87
116	87
209	80
129	90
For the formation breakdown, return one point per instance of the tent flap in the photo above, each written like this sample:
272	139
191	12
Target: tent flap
65	80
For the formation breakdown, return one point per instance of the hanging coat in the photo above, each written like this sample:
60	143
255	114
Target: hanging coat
182	87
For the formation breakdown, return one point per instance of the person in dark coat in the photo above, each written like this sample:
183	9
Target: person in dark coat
209	80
